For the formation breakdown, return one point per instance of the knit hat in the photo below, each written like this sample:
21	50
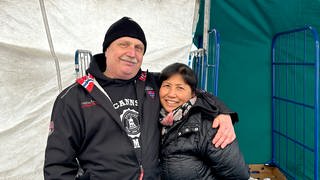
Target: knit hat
124	27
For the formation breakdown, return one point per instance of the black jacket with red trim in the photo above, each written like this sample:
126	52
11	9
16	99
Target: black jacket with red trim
86	131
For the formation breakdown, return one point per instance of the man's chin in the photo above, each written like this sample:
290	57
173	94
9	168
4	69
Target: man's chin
128	75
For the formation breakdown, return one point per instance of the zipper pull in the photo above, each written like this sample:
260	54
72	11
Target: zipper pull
141	173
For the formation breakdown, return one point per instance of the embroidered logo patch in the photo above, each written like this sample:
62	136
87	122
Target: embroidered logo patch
150	91
87	104
143	76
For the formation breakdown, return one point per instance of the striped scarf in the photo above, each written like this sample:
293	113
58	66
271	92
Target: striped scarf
168	119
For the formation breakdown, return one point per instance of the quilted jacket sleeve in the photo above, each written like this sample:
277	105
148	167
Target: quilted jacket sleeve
215	102
227	163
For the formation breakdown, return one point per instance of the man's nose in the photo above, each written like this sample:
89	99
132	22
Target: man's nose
131	51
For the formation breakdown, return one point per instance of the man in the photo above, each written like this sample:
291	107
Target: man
107	122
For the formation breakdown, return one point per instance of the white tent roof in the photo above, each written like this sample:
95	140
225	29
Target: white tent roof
28	72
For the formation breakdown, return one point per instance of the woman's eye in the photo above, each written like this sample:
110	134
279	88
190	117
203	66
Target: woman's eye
165	85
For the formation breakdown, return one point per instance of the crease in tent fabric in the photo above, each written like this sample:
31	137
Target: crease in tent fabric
53	54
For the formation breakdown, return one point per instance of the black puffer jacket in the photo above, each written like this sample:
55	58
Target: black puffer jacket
187	151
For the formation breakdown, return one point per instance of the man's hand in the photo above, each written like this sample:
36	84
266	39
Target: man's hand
225	134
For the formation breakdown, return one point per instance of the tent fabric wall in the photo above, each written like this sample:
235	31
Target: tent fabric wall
246	29
27	69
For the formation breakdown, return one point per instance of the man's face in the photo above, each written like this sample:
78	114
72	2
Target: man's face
124	58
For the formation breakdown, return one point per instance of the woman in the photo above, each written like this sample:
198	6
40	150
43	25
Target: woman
187	151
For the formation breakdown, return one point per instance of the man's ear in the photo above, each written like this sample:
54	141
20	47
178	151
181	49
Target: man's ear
105	52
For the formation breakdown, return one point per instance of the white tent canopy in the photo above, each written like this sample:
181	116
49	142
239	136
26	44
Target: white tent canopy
28	71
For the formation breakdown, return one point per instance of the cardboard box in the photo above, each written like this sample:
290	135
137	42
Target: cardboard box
262	171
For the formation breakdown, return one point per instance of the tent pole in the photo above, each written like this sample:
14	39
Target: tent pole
206	24
46	25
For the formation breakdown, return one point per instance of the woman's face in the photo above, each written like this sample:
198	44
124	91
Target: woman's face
174	92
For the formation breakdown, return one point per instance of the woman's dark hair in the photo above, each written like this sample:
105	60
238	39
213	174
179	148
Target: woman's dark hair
185	71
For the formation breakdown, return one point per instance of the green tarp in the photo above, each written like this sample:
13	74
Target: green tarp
246	29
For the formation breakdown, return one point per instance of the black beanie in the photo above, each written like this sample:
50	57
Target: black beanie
124	27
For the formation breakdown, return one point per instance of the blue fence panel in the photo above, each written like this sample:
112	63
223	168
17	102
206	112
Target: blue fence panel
206	63
82	59
295	103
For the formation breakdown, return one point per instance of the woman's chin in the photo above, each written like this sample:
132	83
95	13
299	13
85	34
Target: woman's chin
169	109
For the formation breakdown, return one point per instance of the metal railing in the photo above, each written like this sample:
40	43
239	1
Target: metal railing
206	63
295	103
82	60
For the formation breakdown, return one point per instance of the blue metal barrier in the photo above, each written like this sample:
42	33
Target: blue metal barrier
206	64
82	59
295	103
